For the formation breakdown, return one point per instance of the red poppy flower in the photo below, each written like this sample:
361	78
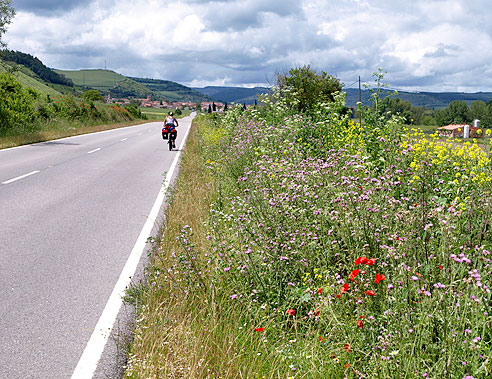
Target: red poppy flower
379	278
259	329
370	262
347	347
316	312
363	260
357	261
344	288
354	274
338	296
347	365
291	312
320	290
370	293
320	338
440	267
360	324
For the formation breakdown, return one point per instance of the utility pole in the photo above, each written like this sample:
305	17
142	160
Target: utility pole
360	105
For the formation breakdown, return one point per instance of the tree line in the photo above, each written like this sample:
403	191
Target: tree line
457	112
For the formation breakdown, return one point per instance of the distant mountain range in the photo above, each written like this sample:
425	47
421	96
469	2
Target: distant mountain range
433	100
31	72
238	95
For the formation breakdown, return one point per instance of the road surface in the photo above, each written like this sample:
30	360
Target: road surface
71	211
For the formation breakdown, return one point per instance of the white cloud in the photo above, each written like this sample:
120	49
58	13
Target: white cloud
424	44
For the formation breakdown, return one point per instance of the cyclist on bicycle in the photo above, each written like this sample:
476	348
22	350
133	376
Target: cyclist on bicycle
172	123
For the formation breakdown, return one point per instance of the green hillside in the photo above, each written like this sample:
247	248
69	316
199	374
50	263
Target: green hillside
107	81
172	91
28	79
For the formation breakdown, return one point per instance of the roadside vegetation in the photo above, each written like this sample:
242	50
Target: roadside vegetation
301	244
28	116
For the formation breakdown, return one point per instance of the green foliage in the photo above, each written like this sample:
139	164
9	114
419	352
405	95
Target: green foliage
36	66
135	111
394	105
304	88
16	105
481	111
456	113
7	12
92	95
23	111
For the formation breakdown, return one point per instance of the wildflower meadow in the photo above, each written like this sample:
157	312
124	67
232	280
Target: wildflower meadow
329	249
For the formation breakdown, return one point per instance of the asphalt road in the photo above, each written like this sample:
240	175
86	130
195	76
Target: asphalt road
71	211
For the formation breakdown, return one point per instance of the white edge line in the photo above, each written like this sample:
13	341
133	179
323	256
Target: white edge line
87	364
20	177
124	139
93	151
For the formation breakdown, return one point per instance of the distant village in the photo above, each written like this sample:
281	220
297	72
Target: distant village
184	105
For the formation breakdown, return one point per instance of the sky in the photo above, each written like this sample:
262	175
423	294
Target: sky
424	45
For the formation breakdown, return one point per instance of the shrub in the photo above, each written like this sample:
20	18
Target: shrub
304	88
92	95
16	105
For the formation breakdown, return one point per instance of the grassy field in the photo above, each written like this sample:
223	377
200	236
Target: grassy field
98	79
105	80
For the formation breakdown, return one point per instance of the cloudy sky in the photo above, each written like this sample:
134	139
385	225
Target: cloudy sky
431	45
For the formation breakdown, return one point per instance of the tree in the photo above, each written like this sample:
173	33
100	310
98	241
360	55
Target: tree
92	95
459	112
226	108
209	108
481	111
7	12
214	107
394	105
304	87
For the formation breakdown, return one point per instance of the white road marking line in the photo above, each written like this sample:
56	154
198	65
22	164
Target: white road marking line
124	139
93	151
87	364
20	177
